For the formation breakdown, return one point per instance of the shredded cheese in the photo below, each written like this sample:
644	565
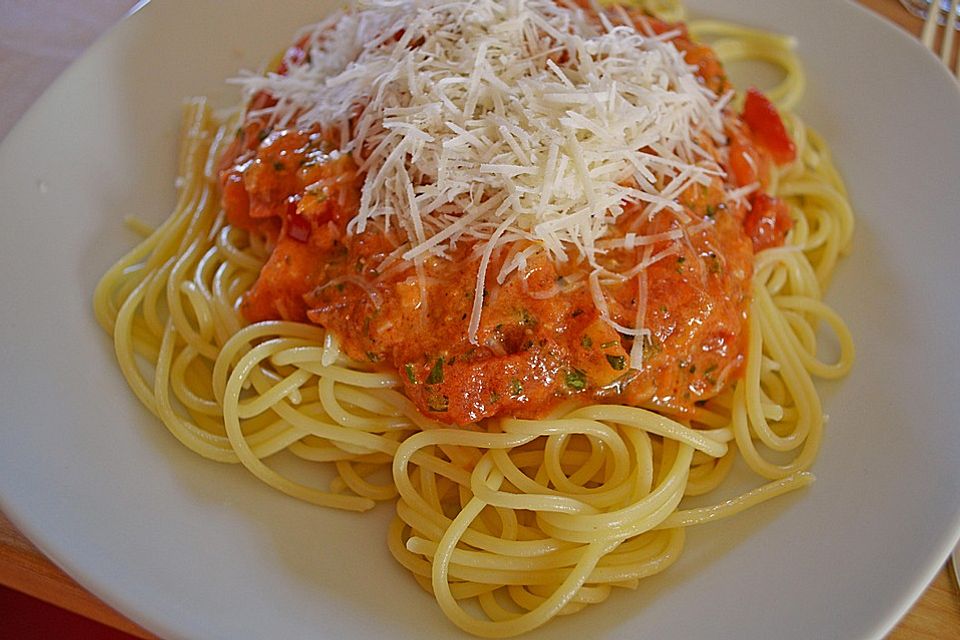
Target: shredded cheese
502	121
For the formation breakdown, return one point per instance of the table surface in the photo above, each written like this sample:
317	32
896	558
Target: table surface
30	63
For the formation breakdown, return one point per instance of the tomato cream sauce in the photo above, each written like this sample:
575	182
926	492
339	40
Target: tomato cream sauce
541	338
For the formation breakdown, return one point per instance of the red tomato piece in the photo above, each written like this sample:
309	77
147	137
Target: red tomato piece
767	127
298	227
767	222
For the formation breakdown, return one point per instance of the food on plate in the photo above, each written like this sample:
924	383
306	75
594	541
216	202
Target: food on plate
534	271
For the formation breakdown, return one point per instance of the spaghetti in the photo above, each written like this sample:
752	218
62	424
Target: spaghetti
511	520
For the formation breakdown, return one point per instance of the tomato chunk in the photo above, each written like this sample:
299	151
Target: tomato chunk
767	127
768	221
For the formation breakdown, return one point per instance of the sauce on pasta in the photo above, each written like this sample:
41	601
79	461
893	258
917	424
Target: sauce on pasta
541	338
677	306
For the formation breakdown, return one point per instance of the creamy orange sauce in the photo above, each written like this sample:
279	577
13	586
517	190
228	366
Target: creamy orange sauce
541	338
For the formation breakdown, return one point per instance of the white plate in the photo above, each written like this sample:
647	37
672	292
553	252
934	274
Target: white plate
189	548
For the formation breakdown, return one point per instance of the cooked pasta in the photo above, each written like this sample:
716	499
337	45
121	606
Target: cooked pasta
507	521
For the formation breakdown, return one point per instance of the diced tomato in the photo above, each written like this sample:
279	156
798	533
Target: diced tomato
749	163
288	274
744	163
768	221
294	54
298	227
236	202
767	127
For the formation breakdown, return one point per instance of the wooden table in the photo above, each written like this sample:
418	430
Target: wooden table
936	614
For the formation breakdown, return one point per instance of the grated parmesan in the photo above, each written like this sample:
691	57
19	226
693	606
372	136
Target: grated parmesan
503	121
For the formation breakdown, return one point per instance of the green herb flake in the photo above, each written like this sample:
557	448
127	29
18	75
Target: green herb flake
576	380
714	265
707	375
278	166
516	389
619	363
652	345
438	403
586	342
611	344
372	357
436	373
411	376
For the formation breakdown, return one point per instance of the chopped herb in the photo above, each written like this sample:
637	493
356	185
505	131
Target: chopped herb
693	369
262	134
710	378
607	345
711	211
617	362
586	342
516	389
576	312
340	287
527	318
320	195
436	373
410	374
652	345
372	357
494	398
278	166
715	266
576	379
438	403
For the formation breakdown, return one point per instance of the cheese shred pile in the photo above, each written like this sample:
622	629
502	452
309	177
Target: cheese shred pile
499	122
